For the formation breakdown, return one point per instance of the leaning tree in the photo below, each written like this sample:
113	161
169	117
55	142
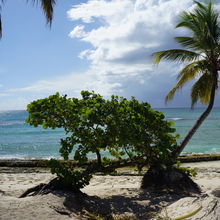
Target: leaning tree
201	51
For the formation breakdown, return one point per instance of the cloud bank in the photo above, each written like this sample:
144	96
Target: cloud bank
128	33
122	36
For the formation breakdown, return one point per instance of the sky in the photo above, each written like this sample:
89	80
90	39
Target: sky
100	45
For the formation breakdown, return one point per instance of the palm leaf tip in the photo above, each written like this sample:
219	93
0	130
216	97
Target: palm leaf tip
47	6
156	57
170	95
0	27
1	20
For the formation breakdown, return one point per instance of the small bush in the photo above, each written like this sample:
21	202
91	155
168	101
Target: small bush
188	171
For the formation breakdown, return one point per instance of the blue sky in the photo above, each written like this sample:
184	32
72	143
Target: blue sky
100	45
30	51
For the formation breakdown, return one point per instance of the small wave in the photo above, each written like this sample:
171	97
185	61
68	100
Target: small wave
192	119
205	153
175	119
194	153
9	123
25	157
9	113
216	119
215	150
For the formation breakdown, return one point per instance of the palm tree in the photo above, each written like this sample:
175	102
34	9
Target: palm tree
46	5
202	54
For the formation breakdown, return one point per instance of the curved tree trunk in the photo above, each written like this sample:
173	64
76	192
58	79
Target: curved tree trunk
176	179
205	114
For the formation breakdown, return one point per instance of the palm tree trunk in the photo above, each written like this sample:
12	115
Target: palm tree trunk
205	114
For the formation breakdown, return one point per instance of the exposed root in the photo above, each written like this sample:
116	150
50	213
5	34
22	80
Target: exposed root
33	191
42	189
61	211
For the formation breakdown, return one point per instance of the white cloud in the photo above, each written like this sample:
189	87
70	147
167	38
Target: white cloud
78	32
71	84
128	32
123	34
99	9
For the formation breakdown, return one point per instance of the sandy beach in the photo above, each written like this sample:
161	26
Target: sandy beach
117	196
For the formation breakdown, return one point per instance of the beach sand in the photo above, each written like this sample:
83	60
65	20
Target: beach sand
117	196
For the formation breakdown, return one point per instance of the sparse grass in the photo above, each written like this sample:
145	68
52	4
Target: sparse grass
92	216
182	217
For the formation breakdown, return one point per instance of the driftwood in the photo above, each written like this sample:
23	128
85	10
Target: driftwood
43	188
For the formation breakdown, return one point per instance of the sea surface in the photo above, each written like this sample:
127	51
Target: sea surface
20	140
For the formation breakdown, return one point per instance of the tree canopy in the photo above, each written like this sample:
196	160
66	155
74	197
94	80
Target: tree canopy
117	129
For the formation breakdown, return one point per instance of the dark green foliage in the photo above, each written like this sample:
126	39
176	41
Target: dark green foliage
69	178
118	127
188	171
171	179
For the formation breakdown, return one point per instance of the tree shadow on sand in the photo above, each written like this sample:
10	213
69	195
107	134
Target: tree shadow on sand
134	203
139	205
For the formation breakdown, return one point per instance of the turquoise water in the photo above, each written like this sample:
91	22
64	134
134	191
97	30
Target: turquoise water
19	140
207	137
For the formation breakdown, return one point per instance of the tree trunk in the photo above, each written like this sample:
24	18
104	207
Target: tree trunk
205	114
99	160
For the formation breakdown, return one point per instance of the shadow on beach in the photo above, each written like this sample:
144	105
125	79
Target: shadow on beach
139	205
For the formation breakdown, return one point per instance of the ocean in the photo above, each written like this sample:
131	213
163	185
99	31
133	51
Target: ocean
21	141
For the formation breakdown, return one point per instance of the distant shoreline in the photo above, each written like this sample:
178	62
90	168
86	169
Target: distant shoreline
44	162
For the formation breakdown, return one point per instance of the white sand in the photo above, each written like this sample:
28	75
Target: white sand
119	195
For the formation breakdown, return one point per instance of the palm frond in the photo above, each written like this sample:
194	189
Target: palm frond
2	1
186	21
0	26
171	93
178	55
47	6
201	90
192	69
189	42
203	24
208	19
188	73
